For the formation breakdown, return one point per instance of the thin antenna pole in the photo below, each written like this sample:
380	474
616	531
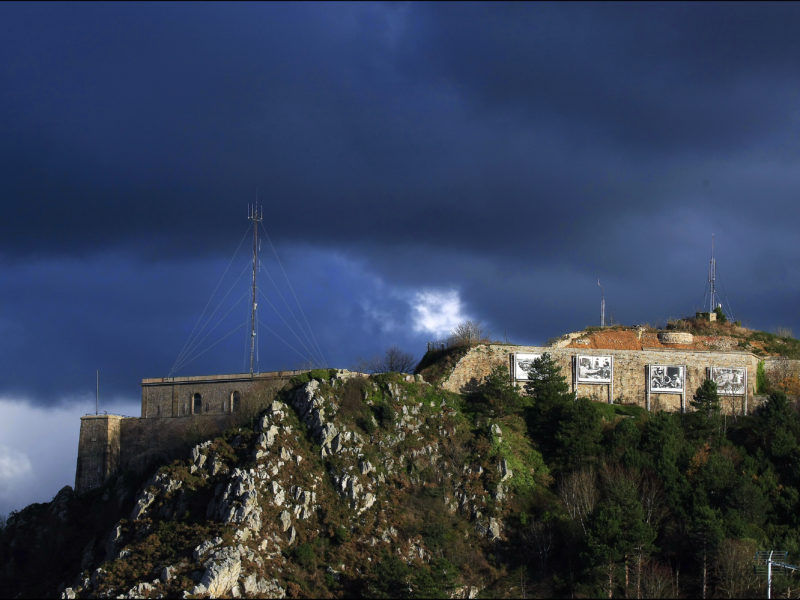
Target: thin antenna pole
712	277
769	574
97	395
255	214
602	305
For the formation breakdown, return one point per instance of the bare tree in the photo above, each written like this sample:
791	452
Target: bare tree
783	375
397	361
394	360
541	537
468	333
578	491
651	495
733	567
657	581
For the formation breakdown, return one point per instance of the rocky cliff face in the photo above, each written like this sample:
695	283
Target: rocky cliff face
345	484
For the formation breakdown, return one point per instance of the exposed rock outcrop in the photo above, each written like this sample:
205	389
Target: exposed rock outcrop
318	464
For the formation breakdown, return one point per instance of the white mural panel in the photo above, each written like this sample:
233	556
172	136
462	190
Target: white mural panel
523	362
730	380
594	369
667	379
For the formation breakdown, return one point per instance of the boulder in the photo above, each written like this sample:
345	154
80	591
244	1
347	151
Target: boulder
493	532
203	548
166	574
285	519
222	572
505	472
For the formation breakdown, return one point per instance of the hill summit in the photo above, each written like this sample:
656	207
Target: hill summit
388	485
691	333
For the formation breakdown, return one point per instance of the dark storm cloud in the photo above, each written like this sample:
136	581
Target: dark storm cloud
511	152
649	76
385	118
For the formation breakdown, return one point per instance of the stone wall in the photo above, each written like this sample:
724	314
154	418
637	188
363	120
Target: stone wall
98	450
629	378
169	426
175	396
145	443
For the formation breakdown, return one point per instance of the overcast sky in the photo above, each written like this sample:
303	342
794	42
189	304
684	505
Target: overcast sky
418	164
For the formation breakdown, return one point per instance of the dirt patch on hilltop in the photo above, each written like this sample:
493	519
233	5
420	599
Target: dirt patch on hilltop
636	339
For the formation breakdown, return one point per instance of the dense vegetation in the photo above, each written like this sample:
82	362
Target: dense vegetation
605	500
656	505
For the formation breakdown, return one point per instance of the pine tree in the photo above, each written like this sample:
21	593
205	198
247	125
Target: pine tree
552	412
496	396
546	384
706	399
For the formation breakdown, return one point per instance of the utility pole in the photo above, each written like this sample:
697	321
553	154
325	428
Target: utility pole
97	395
712	276
255	214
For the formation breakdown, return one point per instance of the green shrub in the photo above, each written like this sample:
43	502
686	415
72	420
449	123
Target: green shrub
352	406
525	461
496	396
761	378
721	318
304	555
341	534
612	412
384	414
320	374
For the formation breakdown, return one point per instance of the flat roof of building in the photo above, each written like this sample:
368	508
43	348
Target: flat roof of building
219	378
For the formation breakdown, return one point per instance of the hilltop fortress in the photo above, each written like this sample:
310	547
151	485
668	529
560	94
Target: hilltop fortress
657	370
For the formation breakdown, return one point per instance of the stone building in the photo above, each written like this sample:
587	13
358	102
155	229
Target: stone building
176	412
179	411
635	357
629	373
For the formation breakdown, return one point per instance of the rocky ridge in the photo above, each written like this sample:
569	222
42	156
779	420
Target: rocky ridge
334	471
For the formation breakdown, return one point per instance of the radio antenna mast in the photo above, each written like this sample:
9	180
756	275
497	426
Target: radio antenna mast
767	559
712	277
602	305
255	214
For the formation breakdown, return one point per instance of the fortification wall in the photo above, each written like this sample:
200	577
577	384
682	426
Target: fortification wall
149	442
210	394
629	378
98	450
169	424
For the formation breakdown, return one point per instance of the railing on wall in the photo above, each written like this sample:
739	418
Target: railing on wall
455	342
438	345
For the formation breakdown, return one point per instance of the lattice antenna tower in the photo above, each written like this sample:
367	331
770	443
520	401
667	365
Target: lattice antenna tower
712	277
255	214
